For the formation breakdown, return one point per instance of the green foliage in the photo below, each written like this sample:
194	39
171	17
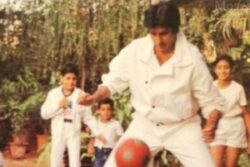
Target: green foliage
19	98
123	108
233	22
88	34
221	31
44	156
244	160
19	111
24	83
84	141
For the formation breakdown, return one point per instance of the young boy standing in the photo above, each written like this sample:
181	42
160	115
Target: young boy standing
106	132
66	116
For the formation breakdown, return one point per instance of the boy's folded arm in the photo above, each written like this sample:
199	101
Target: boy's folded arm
50	109
50	113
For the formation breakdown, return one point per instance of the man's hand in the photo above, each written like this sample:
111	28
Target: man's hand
86	99
100	94
211	125
209	133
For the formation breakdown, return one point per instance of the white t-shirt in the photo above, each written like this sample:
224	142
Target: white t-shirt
235	98
110	130
72	98
68	114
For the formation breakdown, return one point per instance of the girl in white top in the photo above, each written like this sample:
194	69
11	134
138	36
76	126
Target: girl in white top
231	134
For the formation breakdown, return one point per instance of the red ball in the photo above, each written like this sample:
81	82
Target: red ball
132	153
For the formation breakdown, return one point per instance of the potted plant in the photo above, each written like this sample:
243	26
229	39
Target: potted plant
20	97
41	140
19	116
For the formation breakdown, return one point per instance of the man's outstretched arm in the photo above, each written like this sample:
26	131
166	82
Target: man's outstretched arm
101	93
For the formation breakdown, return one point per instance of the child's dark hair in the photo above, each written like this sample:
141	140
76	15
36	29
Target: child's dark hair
163	14
70	68
226	58
106	101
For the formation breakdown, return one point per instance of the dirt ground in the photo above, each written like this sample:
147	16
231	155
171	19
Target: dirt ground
29	161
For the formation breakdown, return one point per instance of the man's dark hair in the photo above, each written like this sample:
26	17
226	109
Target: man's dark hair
226	58
106	101
70	68
163	14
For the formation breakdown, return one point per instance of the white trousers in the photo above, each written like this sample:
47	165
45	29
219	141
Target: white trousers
69	141
184	140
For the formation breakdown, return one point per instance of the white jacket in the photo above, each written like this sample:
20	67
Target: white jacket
50	110
168	93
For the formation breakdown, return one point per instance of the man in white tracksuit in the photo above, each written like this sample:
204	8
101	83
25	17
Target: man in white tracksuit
169	82
66	116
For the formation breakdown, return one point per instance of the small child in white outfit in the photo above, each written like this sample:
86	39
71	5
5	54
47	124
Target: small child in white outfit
106	132
231	134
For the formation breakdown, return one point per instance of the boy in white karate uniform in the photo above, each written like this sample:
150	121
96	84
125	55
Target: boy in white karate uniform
66	117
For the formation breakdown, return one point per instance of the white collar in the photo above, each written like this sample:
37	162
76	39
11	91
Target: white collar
182	55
